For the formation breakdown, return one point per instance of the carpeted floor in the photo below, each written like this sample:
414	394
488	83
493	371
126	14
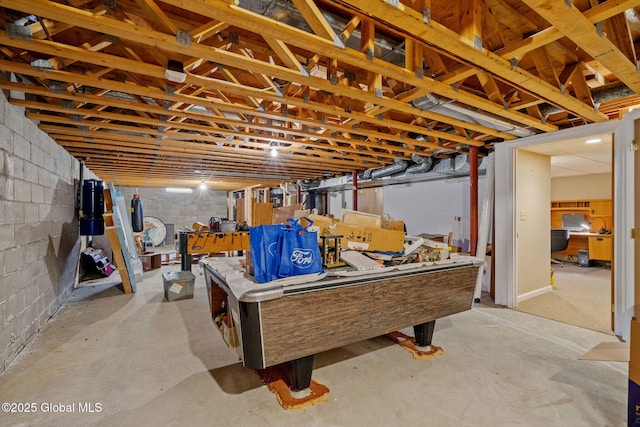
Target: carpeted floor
581	296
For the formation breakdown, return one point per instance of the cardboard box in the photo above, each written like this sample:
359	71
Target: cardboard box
229	333
368	238
360	238
434	244
281	215
362	219
322	222
150	261
223	319
393	225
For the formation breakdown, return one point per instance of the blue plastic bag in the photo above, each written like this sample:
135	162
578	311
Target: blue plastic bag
265	243
300	253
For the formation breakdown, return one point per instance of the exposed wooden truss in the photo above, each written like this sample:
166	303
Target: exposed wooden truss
158	92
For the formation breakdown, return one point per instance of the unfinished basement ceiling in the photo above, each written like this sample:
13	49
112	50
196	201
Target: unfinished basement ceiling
175	92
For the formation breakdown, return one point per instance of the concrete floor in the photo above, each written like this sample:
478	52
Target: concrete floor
146	361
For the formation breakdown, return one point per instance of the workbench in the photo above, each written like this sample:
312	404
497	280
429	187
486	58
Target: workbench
293	319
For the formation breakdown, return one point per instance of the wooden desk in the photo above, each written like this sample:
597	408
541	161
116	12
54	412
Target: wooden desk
600	246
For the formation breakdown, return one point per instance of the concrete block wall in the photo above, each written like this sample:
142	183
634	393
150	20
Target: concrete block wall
39	235
180	209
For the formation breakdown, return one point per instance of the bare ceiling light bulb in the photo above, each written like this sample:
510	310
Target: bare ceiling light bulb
274	152
203	186
175	72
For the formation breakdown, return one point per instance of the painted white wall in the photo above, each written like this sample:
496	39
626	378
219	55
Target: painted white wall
596	186
433	207
533	197
338	200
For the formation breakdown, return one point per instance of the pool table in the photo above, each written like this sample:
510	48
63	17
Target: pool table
292	320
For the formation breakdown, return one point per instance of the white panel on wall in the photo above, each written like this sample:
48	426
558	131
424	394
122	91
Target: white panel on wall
594	186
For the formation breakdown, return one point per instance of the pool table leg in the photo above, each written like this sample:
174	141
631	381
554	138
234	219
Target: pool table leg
300	372
424	333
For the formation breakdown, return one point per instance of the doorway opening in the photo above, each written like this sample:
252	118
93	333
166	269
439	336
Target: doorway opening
580	281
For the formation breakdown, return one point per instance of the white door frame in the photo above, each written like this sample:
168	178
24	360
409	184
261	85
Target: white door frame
505	214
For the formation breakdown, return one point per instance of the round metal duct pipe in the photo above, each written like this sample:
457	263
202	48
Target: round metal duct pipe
398	166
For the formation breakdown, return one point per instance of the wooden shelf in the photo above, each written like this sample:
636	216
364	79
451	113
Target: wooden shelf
570	204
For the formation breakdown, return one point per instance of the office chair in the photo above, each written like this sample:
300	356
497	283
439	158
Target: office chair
559	242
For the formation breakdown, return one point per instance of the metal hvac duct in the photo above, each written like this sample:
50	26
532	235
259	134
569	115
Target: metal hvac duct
610	92
422	164
419	168
451	108
456	164
547	109
398	165
598	94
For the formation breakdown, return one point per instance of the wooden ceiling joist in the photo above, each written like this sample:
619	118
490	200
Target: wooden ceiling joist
434	34
577	27
157	71
360	83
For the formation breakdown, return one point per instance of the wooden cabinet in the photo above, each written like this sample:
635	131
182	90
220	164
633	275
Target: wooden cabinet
601	247
600	207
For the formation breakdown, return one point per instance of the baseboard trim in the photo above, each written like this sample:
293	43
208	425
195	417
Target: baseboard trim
535	293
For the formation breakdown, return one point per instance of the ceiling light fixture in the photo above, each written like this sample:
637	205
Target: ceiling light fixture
274	152
179	190
593	141
203	186
175	72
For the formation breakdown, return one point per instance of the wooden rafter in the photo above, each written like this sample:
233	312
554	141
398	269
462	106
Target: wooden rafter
435	34
576	26
316	20
359	84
